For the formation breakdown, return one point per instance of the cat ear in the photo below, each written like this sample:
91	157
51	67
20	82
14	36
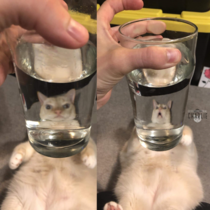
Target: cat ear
154	103
71	94
41	97
169	104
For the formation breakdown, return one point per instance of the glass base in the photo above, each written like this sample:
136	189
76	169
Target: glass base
160	140
157	147
57	143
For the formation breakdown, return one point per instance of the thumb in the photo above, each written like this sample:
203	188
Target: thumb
49	18
149	57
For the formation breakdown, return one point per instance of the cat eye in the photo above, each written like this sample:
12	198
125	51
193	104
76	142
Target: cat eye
157	107
164	107
66	106
48	106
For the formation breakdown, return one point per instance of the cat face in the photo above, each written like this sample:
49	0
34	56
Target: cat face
161	113
58	108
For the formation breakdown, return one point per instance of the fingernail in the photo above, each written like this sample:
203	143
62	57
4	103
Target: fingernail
173	55
74	29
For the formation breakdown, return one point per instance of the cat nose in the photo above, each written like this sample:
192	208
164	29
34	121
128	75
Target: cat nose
57	112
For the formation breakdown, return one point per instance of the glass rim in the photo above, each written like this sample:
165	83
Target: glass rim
153	42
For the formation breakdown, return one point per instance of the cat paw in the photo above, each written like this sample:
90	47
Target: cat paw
186	140
89	160
15	161
112	206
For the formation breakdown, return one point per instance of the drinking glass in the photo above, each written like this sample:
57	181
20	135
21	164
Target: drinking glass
159	96
57	86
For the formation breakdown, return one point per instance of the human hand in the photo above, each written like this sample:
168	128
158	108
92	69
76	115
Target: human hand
49	18
115	61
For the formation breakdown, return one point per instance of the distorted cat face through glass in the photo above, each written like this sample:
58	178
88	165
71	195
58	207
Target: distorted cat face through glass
58	108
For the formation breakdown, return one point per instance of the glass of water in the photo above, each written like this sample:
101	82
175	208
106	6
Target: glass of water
57	87
159	96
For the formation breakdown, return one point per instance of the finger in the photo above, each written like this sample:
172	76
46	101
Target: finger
111	7
14	32
134	44
33	37
64	4
114	31
149	38
135	30
6	66
102	99
3	74
5	69
116	36
48	17
143	27
149	57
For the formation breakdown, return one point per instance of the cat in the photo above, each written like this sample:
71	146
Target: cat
153	180
161	116
58	112
44	183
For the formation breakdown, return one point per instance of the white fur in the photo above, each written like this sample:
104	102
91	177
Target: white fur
187	136
159	180
50	117
44	183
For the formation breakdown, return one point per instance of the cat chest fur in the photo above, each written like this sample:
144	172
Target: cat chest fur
50	183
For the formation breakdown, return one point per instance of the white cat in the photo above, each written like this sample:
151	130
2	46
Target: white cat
58	112
44	183
158	180
161	116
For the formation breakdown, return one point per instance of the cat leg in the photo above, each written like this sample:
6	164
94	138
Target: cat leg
21	153
132	145
11	202
187	136
88	155
112	206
